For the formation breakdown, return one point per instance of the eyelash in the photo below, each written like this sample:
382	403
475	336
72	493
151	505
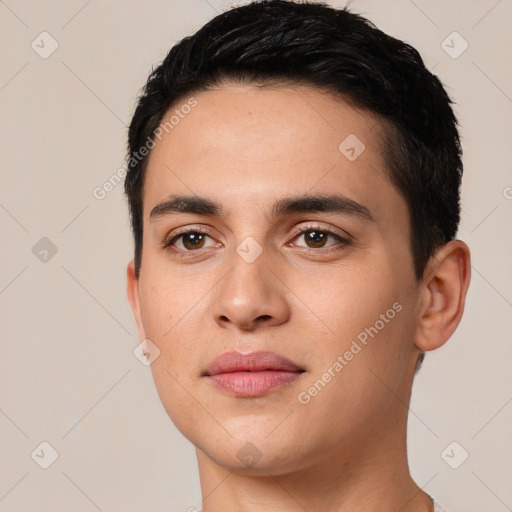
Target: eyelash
343	241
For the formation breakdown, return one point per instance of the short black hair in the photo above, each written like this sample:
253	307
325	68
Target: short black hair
279	42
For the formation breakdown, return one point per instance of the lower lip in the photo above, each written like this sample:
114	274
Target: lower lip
252	384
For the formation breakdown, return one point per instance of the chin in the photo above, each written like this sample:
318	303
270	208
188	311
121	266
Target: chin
249	459
252	448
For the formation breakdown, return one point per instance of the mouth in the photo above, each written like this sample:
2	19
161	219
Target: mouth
251	375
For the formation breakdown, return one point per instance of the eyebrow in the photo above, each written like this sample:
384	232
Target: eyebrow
331	203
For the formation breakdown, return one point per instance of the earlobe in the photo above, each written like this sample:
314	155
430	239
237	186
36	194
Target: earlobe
443	295
132	289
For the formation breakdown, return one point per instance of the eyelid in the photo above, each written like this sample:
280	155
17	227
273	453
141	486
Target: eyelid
176	233
300	229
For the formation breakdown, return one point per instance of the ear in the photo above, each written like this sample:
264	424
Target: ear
132	290
443	294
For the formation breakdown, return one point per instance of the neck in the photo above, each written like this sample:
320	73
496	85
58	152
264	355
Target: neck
374	477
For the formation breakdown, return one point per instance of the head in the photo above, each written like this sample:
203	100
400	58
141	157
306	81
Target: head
315	163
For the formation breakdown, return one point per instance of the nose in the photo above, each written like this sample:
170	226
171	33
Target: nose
251	295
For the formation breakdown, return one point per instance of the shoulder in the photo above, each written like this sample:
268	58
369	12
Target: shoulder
437	506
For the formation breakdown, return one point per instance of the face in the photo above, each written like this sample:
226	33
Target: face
285	325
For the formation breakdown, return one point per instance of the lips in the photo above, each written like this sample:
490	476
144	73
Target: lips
251	375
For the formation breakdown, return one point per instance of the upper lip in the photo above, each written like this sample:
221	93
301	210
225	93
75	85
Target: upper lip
252	362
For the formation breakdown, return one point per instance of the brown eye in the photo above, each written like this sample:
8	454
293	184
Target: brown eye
193	240
189	241
315	238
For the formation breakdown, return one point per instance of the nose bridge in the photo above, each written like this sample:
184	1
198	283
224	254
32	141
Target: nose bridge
249	264
250	293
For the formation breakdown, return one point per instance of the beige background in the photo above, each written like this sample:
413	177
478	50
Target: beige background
67	371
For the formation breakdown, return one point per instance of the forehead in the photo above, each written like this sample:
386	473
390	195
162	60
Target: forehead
244	145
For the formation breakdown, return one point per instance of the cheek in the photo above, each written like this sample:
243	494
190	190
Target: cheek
345	301
170	310
362	316
171	307
166	300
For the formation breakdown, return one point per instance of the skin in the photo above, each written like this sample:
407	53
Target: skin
345	450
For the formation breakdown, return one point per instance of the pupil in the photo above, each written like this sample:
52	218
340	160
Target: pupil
317	238
193	240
